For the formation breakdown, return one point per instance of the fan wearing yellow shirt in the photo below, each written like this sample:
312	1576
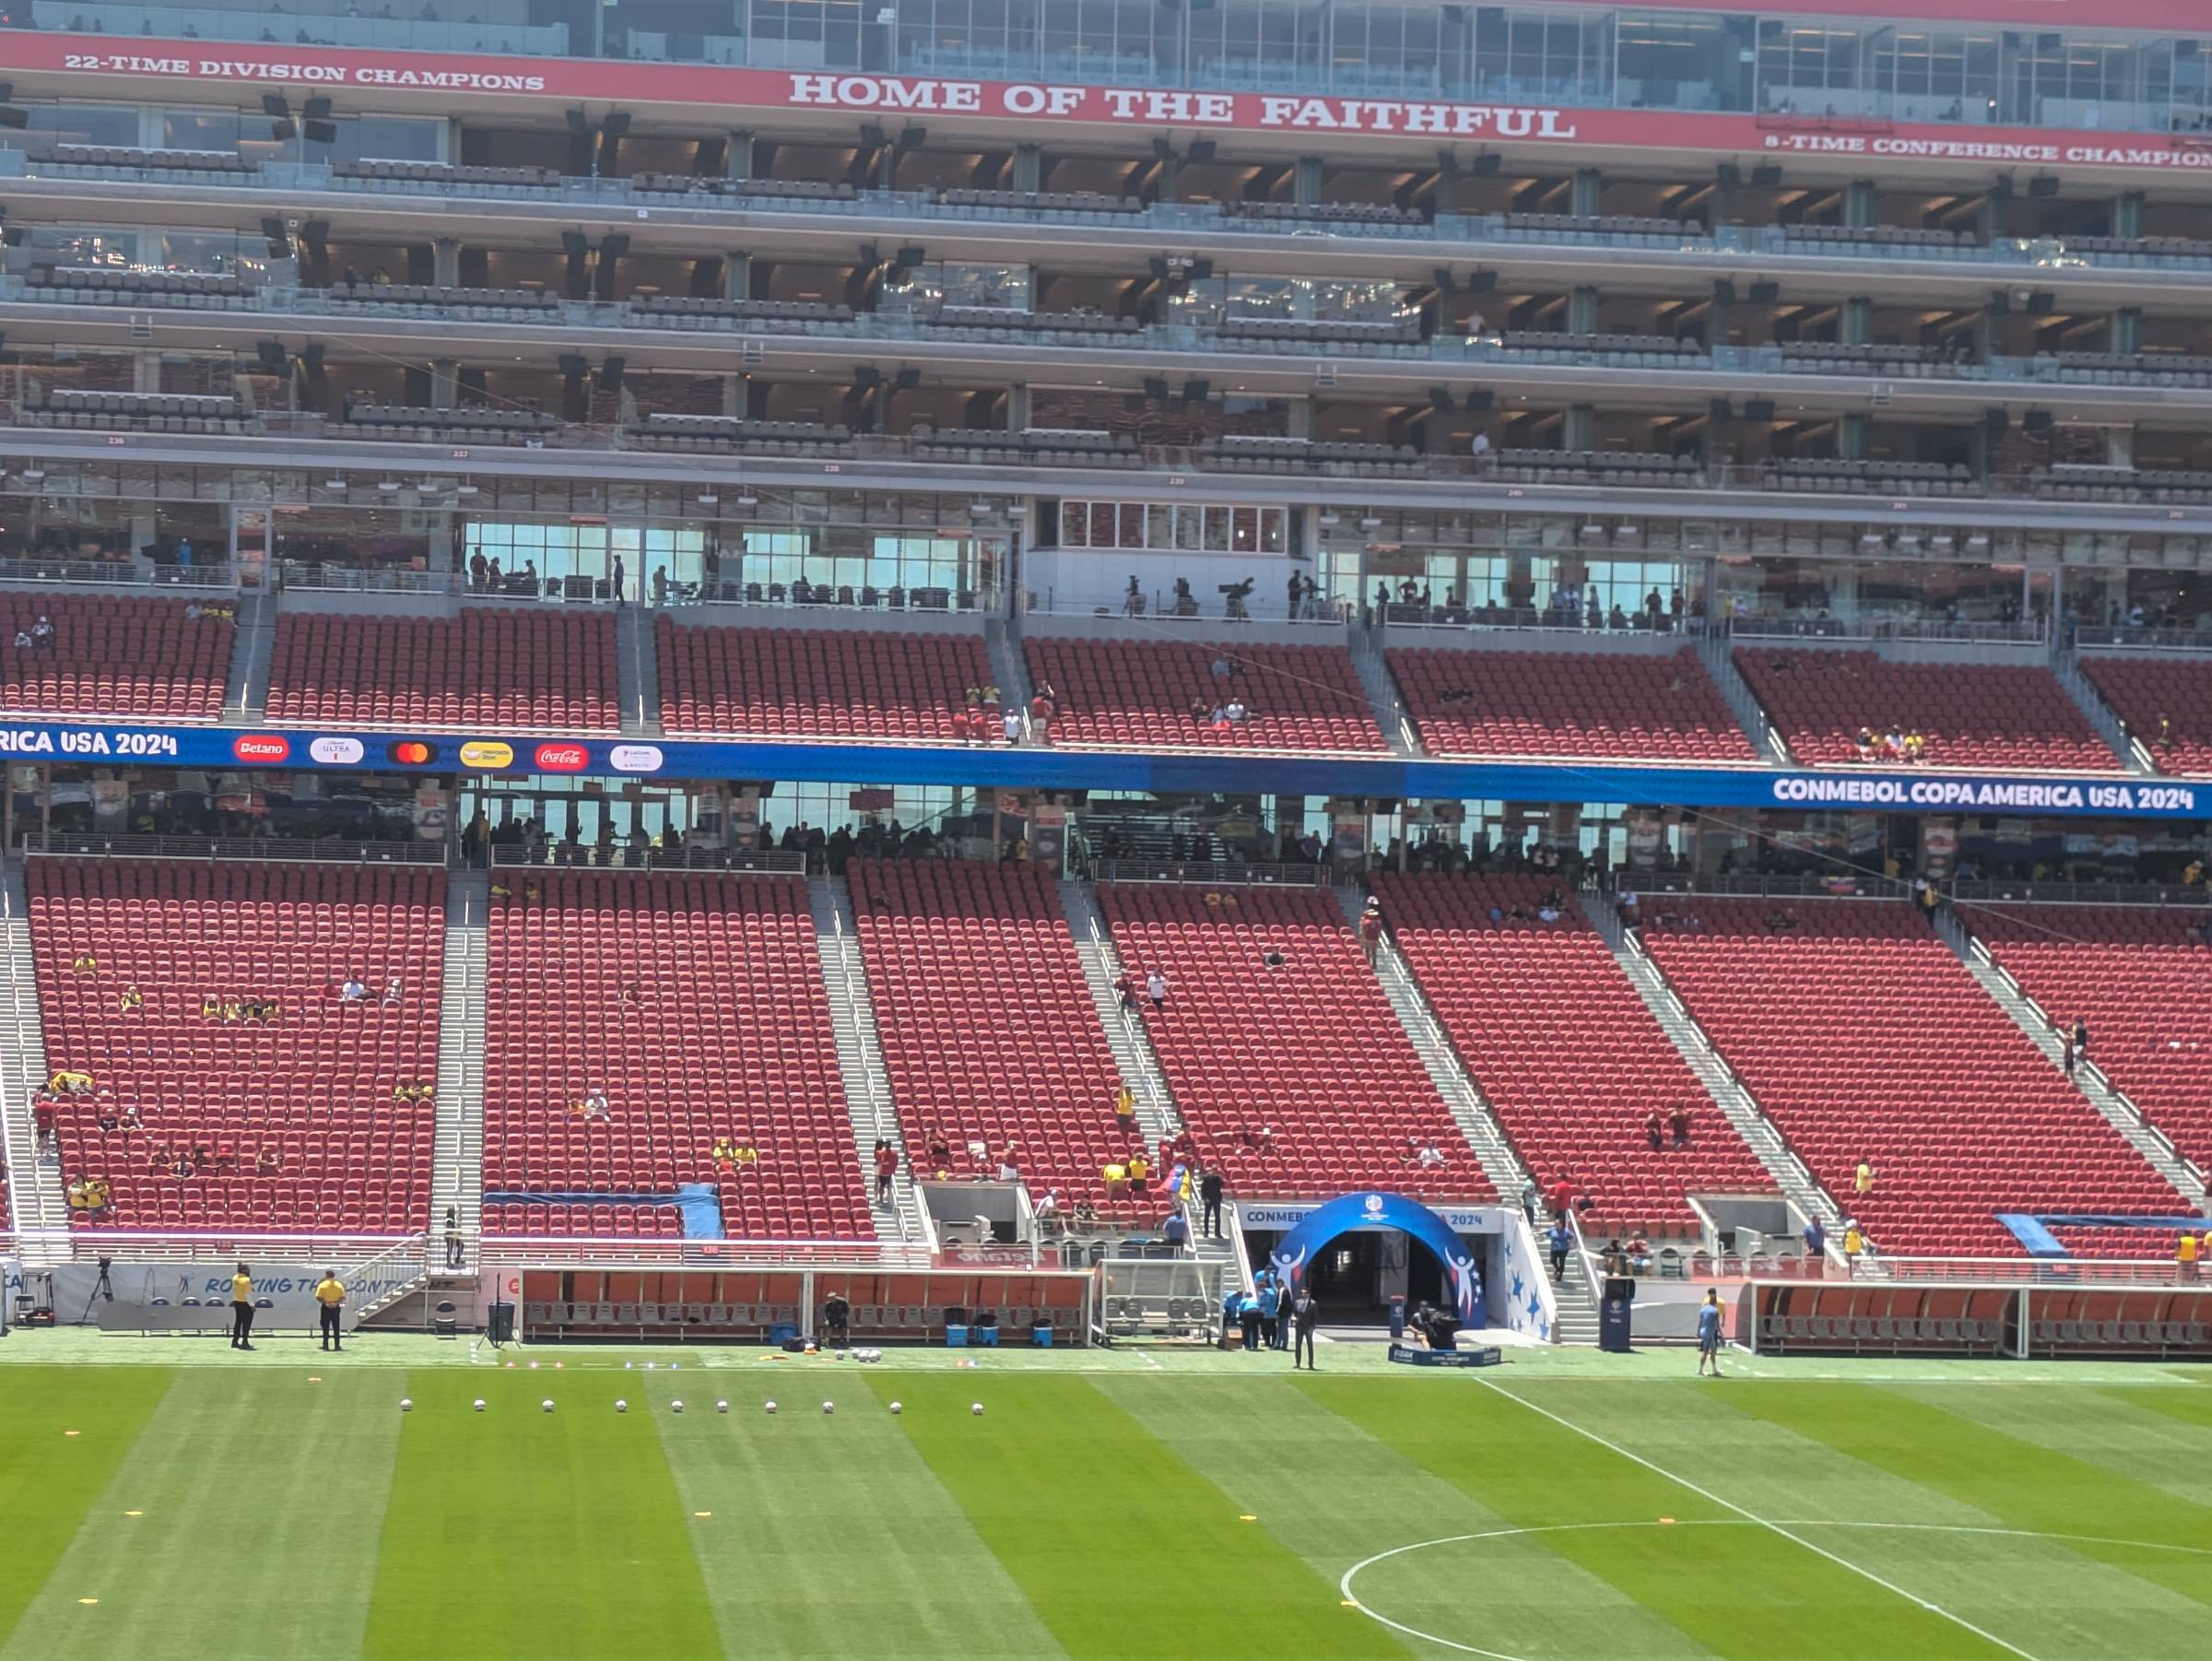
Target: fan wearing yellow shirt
330	1298
241	1309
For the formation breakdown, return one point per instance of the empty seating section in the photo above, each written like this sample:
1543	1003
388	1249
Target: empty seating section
693	1004
1970	715
113	656
1564	1048
1310	1050
578	1221
2142	689
1121	693
549	670
1568	703
2141	978
988	1028
288	1124
1864	1037
817	683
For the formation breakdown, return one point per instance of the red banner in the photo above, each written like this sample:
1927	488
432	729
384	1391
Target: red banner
1326	119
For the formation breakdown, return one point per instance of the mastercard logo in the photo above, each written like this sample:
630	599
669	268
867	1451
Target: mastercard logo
486	753
413	752
260	746
562	758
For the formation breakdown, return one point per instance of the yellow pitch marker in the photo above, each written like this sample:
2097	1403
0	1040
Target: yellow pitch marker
703	1514
87	1600
134	1514
72	1433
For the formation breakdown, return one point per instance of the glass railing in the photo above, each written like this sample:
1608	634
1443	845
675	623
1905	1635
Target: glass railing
2052	257
1069	331
1884	625
380	25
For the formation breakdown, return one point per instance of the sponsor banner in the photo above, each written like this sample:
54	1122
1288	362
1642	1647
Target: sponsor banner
1349	783
1145	110
289	1287
1288	1214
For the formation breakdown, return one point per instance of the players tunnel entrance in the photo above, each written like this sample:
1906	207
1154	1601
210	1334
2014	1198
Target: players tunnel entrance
1356	1275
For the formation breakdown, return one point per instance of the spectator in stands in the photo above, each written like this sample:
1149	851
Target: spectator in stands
22	640
2185	1256
1862	1180
1563	1196
133	1000
1854	1240
2081	1038
84	963
1116	1178
1156	988
1046	1208
1011	724
1678	1124
2066	1052
1816	1240
1561	1241
392	993
886	1167
1140	1173
1009	1170
1528	1200
1430	1156
1209	1195
353	991
1371	926
1653	1130
595	1104
1124	1105
41	633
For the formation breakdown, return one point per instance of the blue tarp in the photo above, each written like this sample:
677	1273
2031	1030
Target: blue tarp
701	1209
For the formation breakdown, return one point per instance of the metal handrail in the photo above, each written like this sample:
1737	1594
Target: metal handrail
2021	1271
584	1252
1230	875
772	862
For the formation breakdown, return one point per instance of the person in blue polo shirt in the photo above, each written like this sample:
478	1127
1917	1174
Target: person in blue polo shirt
1708	1333
1271	1303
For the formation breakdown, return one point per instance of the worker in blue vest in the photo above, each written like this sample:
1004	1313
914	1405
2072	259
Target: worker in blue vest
1271	1303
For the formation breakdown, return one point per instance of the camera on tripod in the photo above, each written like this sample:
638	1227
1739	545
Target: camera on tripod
1234	595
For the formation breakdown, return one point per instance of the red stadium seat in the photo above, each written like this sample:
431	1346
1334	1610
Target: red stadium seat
1564	1048
1122	694
546	670
1971	715
727	1035
1310	1050
817	683
1567	703
2143	689
114	656
1864	1037
988	1028
314	1087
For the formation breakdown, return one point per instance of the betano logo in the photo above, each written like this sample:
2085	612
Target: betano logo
488	754
260	746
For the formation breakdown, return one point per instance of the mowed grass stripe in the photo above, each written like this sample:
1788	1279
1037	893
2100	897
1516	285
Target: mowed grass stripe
2017	1483
47	1478
517	1532
1125	1551
1338	1497
828	1537
261	1486
1740	1590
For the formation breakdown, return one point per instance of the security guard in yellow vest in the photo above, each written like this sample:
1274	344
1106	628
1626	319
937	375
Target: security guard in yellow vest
330	1297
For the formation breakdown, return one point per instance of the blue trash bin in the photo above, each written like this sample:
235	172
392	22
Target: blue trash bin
956	1337
1041	1336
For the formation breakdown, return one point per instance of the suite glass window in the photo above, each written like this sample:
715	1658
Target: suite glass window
1179	527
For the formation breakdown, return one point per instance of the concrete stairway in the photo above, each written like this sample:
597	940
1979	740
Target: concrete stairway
457	1166
1009	668
860	1054
1125	1034
1381	688
637	672
2033	1020
1793	1177
1577	1301
35	1203
246	694
1470	1110
1750	714
2101	715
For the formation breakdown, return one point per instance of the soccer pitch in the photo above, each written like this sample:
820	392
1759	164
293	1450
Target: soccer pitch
162	1499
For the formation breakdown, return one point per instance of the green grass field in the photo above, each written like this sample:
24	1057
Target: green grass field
1567	1508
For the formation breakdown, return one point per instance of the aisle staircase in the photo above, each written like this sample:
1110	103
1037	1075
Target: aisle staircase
1470	1109
2033	1020
1794	1179
458	1167
1125	1034
860	1055
36	1205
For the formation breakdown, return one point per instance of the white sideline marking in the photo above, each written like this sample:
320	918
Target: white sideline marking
1751	1516
1351	1574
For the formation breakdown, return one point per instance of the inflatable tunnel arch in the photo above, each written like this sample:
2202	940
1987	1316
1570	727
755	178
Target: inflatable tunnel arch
1319	1226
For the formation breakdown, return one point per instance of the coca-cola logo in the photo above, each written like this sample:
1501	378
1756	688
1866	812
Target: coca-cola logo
562	758
260	746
